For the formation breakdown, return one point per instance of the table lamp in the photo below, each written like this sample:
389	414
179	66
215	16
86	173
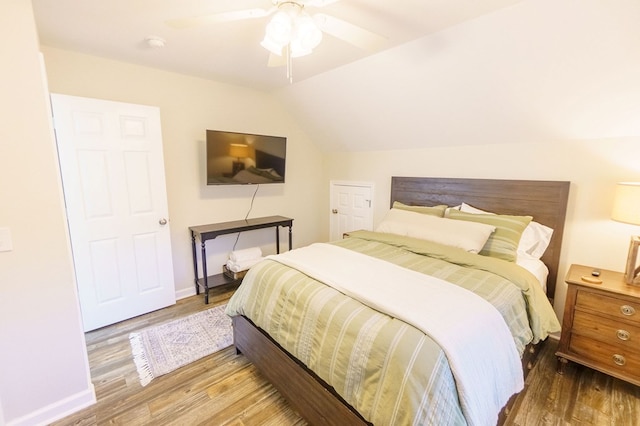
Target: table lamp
626	208
239	151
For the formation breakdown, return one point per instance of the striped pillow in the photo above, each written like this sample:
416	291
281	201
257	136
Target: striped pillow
432	211
503	243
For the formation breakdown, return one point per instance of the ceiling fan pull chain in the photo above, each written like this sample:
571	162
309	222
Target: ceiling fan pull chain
289	63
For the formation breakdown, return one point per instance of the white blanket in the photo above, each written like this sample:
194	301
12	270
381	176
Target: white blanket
479	347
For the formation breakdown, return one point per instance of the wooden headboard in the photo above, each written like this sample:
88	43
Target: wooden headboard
265	161
546	201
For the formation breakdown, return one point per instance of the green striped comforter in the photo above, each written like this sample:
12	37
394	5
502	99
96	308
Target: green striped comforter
386	369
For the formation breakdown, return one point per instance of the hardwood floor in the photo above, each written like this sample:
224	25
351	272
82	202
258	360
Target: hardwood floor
221	389
580	396
225	389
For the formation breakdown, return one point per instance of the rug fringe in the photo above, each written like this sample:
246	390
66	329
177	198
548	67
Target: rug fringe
165	347
140	359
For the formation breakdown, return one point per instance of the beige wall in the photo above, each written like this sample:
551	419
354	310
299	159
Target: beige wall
43	363
592	166
189	106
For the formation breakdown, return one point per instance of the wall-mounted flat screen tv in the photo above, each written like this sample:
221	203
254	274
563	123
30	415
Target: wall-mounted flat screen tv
242	158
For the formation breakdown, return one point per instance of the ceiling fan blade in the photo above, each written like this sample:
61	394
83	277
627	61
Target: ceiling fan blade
276	61
237	15
350	33
320	3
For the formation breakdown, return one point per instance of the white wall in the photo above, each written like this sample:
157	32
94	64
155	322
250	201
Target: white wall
43	363
189	106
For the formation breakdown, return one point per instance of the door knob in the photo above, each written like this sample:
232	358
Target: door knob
162	221
334	211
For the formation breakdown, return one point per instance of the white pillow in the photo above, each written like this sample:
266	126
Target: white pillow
535	266
534	240
464	207
469	236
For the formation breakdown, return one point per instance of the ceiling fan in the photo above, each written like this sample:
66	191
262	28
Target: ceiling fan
292	32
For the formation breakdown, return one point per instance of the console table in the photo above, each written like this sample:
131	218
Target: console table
211	231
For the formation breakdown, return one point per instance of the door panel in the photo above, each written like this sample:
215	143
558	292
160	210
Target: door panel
147	267
105	277
351	208
114	185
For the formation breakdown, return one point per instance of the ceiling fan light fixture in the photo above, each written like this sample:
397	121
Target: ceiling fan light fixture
280	27
291	32
272	46
306	34
292	27
297	51
278	32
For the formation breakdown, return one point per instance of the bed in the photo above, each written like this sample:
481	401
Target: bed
287	335
268	169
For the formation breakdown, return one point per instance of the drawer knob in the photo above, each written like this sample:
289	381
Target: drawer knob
623	334
627	310
619	360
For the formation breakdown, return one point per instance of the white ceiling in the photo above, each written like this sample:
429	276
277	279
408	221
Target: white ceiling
230	51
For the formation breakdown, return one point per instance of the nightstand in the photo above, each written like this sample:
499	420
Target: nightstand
601	324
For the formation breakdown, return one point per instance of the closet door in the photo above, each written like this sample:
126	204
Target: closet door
351	208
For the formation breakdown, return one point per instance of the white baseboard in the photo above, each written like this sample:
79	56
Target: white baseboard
185	292
58	410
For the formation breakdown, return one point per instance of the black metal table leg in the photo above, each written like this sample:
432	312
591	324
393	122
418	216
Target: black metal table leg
195	261
205	278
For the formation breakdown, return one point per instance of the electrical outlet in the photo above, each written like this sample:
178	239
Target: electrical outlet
5	240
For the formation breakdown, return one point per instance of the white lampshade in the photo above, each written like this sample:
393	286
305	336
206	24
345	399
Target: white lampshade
280	27
306	36
626	204
238	150
278	32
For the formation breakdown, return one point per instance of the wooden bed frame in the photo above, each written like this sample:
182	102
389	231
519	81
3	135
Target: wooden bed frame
314	399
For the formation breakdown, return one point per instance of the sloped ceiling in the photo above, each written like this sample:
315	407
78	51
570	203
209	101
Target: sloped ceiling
453	73
540	71
230	51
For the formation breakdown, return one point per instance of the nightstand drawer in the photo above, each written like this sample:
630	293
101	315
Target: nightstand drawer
607	357
610	331
609	305
601	324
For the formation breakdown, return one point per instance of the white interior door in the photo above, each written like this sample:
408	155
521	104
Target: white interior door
114	186
351	207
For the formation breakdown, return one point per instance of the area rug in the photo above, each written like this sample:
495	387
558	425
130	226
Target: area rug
166	347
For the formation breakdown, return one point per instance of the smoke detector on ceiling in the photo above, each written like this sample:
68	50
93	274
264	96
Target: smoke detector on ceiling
155	42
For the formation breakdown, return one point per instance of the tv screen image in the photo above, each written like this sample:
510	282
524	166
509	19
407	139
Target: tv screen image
243	158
